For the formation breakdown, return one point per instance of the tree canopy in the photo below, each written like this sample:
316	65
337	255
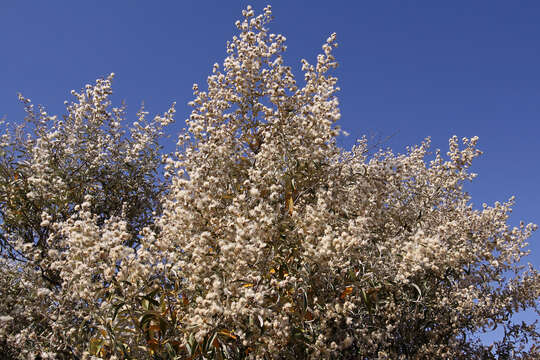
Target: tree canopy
258	238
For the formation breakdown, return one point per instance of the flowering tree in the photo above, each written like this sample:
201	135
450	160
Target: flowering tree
49	170
270	241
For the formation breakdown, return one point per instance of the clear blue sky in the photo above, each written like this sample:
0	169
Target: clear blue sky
413	68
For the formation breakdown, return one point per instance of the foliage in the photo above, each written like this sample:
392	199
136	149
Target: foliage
266	241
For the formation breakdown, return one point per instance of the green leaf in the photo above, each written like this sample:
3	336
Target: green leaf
145	304
170	350
116	308
146	318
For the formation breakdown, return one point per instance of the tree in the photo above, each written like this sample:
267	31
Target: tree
49	167
270	241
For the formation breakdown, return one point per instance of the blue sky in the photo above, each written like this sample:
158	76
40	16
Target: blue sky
408	69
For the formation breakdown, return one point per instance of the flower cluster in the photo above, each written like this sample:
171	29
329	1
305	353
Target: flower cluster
266	241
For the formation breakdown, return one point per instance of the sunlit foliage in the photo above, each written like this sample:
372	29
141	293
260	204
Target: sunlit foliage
261	238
